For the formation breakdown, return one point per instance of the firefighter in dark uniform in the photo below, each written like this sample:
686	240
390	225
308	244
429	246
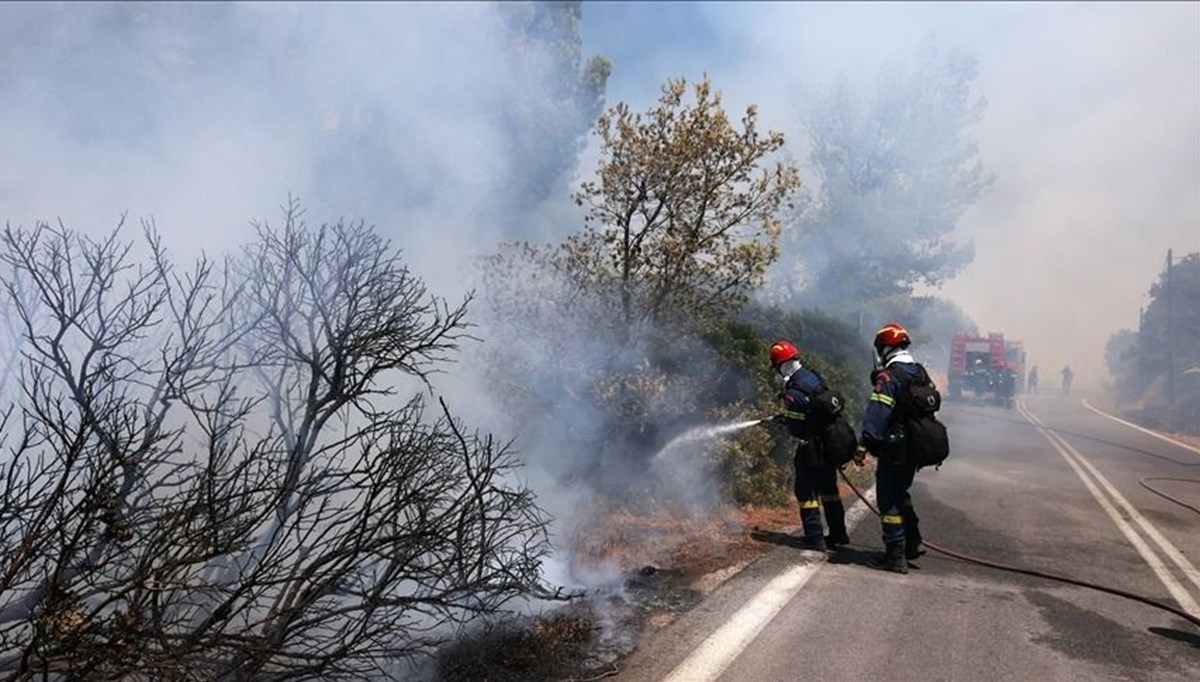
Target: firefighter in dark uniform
883	437
816	482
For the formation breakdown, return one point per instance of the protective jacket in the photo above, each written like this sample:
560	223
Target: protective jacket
883	433
797	406
815	482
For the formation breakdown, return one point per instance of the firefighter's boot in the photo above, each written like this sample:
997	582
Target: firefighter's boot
835	516
912	530
816	544
913	550
810	523
893	559
912	544
835	539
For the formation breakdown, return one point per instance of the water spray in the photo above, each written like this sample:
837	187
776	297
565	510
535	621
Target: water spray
703	433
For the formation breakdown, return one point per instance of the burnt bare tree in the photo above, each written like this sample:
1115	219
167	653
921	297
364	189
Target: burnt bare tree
214	473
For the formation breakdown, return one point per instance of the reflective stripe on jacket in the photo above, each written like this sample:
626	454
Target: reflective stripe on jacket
881	428
796	404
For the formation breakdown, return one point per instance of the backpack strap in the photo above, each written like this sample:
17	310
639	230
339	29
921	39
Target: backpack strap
902	409
904	404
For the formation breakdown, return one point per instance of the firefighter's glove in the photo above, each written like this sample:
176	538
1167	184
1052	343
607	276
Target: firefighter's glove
860	456
779	419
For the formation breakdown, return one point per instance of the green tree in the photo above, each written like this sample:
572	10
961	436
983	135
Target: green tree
682	218
1168	345
894	175
593	341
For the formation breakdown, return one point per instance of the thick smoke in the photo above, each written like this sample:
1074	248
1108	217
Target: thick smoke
595	406
1091	128
451	127
426	120
455	126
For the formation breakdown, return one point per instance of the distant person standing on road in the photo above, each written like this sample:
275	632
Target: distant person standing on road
1033	379
1067	376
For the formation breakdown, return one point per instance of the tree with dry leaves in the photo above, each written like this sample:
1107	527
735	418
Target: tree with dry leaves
588	337
209	473
682	217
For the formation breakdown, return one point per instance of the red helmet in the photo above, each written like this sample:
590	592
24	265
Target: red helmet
891	336
782	351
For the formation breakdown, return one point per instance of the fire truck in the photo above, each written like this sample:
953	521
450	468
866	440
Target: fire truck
986	369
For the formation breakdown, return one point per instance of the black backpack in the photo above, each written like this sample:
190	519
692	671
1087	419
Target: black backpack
836	438
926	440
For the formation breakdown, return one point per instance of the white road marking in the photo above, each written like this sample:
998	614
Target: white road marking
1082	469
708	660
1146	431
1169	549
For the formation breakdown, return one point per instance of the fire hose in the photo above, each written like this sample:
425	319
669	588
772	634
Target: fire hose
1181	503
1051	576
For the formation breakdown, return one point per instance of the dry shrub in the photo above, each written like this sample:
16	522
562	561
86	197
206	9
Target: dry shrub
755	464
632	539
520	648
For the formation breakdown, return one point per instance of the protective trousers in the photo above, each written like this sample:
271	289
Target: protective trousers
912	527
900	522
816	486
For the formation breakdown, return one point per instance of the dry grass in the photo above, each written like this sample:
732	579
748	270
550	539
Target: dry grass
690	555
689	545
632	540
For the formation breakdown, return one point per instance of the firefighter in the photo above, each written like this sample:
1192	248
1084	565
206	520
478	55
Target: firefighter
1033	380
816	482
883	437
1067	377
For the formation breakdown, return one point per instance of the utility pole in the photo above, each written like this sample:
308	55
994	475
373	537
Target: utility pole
1167	287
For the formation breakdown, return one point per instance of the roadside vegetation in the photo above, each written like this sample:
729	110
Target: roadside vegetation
1156	368
240	468
658	314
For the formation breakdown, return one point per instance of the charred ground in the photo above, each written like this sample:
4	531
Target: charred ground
588	638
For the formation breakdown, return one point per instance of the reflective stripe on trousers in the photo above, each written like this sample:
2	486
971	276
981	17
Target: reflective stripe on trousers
892	482
816	487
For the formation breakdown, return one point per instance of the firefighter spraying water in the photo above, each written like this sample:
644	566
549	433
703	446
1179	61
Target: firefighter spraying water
824	441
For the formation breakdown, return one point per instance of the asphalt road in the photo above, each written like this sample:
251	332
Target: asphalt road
1050	485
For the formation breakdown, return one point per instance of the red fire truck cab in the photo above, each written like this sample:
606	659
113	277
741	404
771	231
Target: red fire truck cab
986	369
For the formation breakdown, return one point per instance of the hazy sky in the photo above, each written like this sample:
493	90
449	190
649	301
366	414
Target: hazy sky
1092	129
205	116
